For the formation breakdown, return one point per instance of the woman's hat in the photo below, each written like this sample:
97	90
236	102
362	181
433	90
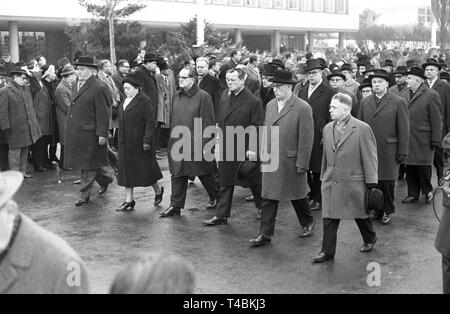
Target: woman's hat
283	77
336	73
380	73
417	72
10	182
68	69
278	63
314	64
432	62
132	80
86	62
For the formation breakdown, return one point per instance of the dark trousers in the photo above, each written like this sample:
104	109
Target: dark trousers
39	151
52	152
402	172
388	188
446	274
180	185
269	215
4	161
315	185
418	179
226	199
439	162
88	177
330	229
61	157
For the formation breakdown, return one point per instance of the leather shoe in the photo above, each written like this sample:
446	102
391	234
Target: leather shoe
212	205
127	206
41	169
387	220
170	212
81	202
410	200
76	182
368	247
322	258
260	241
215	222
316	206
307	231
429	198
27	176
103	189
259	214
159	197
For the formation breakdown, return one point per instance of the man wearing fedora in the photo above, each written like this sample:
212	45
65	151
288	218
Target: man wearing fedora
387	115
337	82
266	94
4	148
294	120
318	95
432	69
425	113
32	259
209	83
146	75
18	118
350	84
349	168
87	130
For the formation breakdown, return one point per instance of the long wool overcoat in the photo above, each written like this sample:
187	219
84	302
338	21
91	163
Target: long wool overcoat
390	124
88	119
346	169
63	98
296	136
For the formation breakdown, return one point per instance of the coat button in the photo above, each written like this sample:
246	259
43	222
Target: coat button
334	182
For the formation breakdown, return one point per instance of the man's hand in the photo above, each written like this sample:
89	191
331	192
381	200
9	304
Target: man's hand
401	159
371	186
102	141
301	171
252	156
146	147
435	145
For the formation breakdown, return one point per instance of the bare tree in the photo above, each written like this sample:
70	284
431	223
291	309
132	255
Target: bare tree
441	11
111	10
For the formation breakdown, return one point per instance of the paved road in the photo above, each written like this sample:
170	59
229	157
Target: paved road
106	240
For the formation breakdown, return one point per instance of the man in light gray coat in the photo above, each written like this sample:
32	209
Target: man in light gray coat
349	168
33	260
288	182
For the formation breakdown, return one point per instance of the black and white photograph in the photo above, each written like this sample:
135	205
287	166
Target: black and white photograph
230	152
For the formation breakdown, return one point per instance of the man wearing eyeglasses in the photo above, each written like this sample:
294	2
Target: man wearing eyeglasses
18	119
318	95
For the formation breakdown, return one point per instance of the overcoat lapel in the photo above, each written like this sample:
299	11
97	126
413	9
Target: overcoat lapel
419	92
316	94
349	130
132	104
286	109
384	102
83	89
233	107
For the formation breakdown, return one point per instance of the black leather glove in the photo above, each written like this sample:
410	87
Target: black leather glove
435	145
401	159
372	186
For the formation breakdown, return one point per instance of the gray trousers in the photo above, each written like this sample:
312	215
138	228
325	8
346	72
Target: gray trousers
88	177
18	159
446	274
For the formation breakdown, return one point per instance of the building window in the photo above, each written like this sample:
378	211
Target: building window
279	4
318	5
266	4
224	2
424	16
341	6
293	4
252	3
306	5
330	6
237	2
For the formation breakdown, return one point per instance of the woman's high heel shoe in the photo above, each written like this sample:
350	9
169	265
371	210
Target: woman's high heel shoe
159	197
127	207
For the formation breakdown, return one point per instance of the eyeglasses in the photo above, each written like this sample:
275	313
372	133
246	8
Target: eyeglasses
184	77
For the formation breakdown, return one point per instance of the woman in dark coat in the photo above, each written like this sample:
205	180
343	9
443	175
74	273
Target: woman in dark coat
138	166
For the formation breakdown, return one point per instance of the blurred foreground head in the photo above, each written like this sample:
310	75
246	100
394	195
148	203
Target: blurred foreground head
155	274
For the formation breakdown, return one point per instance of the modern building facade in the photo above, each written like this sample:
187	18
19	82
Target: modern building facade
259	24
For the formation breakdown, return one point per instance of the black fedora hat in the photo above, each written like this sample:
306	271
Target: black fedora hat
3	71
269	69
333	67
432	62
365	83
336	73
247	171
134	64
346	67
380	73
86	61
150	57
374	200
388	63
417	72
162	64
279	63
411	63
283	77
401	70
314	64
132	80
18	70
369	68
445	76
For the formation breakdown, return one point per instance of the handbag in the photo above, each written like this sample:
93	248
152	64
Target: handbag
374	200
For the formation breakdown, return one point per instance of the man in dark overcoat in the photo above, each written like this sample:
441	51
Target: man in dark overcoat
425	113
4	164
209	83
18	119
239	109
87	130
318	95
443	246
235	59
191	106
287	181
387	115
349	168
147	78
432	68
